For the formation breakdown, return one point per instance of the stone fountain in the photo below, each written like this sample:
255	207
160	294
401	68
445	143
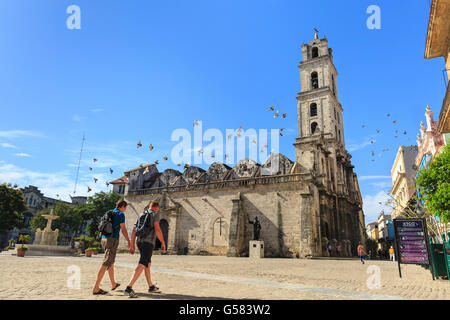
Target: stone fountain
46	241
47	237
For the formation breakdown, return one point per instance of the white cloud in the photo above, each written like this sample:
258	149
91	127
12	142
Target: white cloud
7	145
372	206
97	110
11	134
51	184
22	154
76	117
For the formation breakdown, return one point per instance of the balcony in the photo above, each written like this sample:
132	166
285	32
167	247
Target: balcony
444	119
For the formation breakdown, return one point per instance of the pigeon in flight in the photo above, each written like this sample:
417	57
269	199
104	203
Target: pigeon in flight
200	151
395	121
388	115
230	136
404	131
90	169
145	170
254	141
276	114
281	132
195	123
95	160
111	170
95	180
363	125
226	156
284	115
372	142
89	190
150	147
213	155
107	184
139	144
271	108
165	158
378	131
156	162
186	166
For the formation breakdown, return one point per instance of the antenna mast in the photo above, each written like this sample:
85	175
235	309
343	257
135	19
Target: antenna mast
79	162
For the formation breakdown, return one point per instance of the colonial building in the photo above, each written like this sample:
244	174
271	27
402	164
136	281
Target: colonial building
402	173
438	45
302	205
119	185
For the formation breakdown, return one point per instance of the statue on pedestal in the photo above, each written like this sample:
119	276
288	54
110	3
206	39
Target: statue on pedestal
256	228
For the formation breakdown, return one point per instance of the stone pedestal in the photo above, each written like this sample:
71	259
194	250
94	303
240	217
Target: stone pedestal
256	249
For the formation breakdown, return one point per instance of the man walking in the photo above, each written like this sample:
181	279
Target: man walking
391	254
361	252
146	230
110	243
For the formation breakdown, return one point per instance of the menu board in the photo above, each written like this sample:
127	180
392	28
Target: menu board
411	239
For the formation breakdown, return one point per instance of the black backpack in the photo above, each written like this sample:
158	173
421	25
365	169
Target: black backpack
142	228
105	225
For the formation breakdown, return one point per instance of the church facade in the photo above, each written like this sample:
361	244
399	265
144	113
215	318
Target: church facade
303	206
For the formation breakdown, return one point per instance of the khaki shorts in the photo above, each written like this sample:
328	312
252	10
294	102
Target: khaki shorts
110	246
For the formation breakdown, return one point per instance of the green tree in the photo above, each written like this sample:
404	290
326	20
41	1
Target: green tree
12	206
97	205
434	185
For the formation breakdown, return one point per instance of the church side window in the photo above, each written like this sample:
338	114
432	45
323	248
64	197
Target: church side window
313	110
315	52
333	84
314	80
313	127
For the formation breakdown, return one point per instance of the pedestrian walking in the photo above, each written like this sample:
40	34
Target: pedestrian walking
391	254
361	252
329	249
339	248
111	224
146	230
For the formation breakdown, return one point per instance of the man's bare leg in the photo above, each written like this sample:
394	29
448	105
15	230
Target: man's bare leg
111	276
147	275
100	274
136	274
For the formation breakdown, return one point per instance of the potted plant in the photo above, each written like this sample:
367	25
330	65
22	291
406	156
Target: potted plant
23	238
95	250
89	251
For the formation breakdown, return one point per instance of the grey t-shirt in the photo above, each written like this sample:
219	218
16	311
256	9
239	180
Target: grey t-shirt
151	219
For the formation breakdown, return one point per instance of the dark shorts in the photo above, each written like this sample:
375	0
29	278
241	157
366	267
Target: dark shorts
146	250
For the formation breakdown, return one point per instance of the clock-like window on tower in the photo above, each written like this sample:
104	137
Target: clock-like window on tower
313	110
313	127
315	52
314	80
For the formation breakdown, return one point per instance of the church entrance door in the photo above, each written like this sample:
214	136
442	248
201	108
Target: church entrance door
165	231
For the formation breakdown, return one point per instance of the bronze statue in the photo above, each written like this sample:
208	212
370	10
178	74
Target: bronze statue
256	228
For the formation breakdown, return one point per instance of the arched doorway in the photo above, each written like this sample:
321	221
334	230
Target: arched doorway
165	231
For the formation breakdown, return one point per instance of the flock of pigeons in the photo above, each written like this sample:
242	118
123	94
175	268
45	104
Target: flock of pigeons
165	158
378	131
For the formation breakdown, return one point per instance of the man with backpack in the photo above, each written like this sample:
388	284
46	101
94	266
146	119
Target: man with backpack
146	230
110	226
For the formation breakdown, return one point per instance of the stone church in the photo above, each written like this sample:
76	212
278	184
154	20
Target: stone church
303	205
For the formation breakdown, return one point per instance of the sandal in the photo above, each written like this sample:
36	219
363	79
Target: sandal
116	286
101	291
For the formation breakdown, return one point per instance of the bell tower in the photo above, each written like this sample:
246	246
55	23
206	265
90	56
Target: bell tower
318	107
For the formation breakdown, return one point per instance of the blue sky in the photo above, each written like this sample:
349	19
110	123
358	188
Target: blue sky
141	69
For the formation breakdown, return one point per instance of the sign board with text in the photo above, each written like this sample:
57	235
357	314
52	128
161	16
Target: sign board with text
411	237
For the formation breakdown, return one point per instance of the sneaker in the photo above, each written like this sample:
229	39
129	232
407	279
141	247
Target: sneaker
130	292
154	289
